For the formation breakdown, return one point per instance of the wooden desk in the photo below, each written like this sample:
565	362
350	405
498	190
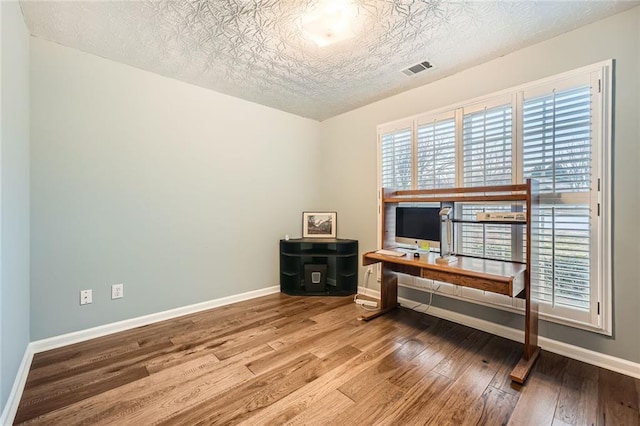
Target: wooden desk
508	278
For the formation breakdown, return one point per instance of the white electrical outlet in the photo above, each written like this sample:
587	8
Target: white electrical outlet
117	291
86	297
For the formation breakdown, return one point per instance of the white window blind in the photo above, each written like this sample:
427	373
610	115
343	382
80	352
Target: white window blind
557	140
491	240
397	159
487	147
436	154
557	151
487	160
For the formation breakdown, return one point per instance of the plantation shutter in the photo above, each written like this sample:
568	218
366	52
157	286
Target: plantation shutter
396	159
436	153
557	150
487	141
487	160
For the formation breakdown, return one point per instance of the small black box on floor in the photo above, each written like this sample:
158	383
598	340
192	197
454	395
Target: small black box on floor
315	277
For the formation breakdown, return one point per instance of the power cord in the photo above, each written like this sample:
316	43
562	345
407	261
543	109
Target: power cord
413	308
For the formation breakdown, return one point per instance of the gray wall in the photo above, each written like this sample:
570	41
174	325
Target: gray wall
350	142
178	192
14	195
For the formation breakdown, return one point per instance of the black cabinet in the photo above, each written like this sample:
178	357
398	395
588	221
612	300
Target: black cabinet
324	266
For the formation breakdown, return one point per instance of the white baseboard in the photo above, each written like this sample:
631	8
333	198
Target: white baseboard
103	330
11	407
598	359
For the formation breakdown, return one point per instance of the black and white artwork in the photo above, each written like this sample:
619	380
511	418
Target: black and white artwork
319	224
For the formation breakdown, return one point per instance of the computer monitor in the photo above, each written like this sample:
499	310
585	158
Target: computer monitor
416	226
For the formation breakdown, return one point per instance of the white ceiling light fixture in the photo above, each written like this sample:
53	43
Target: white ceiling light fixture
329	22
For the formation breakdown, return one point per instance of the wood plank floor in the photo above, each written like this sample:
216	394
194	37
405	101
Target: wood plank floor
307	360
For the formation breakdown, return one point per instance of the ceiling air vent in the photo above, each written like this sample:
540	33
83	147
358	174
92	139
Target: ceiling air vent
415	69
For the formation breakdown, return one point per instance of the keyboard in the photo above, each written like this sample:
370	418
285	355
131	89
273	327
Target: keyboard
391	253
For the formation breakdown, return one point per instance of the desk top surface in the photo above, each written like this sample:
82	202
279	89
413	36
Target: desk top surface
496	270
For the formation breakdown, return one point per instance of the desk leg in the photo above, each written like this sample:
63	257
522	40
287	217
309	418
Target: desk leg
531	349
388	295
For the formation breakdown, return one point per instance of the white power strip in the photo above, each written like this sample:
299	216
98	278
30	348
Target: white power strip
367	303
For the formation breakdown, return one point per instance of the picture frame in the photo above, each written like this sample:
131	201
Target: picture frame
319	224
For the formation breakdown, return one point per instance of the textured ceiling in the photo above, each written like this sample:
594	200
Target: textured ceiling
256	50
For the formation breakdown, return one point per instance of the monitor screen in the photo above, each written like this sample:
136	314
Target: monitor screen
418	225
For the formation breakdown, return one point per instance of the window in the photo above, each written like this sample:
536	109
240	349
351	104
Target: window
487	140
396	153
436	143
556	131
558	145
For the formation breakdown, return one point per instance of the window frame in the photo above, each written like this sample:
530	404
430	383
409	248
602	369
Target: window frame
599	318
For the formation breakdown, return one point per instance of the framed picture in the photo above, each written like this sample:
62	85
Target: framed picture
319	224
